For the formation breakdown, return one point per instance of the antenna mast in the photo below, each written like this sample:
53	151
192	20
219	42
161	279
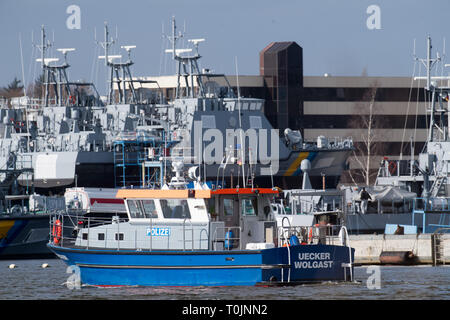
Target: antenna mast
106	44
43	47
240	124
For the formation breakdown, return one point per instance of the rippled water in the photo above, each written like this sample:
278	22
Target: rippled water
30	281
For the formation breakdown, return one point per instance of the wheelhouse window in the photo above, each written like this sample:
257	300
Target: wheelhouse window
142	209
149	209
175	209
249	207
228	207
135	211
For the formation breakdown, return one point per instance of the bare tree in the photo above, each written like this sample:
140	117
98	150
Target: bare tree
364	117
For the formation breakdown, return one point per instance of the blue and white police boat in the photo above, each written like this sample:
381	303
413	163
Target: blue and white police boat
175	236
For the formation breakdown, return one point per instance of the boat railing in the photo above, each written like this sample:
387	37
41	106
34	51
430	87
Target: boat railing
306	206
381	206
424	206
231	236
184	233
432	204
397	168
317	234
326	143
65	227
74	229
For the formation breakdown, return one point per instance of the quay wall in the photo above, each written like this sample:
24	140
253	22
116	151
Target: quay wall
369	247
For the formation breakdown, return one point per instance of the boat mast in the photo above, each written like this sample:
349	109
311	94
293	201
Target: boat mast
43	48
431	86
173	39
105	45
188	63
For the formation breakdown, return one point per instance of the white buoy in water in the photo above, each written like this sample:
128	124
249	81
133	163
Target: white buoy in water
45	265
12	266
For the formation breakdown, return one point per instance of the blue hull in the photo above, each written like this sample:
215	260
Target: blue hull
207	268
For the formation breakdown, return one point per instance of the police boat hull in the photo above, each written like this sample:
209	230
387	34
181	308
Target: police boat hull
282	265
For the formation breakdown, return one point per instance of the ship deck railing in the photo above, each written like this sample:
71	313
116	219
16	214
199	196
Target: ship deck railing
222	238
398	168
380	206
226	237
335	143
74	222
317	234
426	206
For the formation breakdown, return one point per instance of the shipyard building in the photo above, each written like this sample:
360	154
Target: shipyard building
385	116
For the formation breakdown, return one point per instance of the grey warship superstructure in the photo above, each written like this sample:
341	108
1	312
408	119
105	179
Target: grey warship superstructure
229	136
427	176
410	191
75	138
70	135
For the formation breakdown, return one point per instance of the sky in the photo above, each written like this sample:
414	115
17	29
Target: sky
338	37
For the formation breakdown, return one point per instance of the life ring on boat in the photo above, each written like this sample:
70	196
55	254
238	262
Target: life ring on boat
392	167
72	100
56	232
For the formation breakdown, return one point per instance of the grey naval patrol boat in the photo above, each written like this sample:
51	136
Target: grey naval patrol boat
222	132
414	192
73	137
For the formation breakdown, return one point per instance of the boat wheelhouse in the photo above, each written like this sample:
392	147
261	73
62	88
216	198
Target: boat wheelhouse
176	236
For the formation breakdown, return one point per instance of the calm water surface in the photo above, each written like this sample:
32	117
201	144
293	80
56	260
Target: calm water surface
30	281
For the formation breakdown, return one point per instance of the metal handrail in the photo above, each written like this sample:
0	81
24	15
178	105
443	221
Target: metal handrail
184	234
443	205
330	236
71	231
216	239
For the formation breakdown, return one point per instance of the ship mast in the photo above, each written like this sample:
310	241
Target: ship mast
116	69
43	48
186	64
433	89
53	75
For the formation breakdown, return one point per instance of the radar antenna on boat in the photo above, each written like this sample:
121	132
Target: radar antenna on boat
117	68
178	182
64	51
128	50
195	42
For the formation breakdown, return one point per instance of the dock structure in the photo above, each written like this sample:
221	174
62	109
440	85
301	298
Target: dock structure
425	248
